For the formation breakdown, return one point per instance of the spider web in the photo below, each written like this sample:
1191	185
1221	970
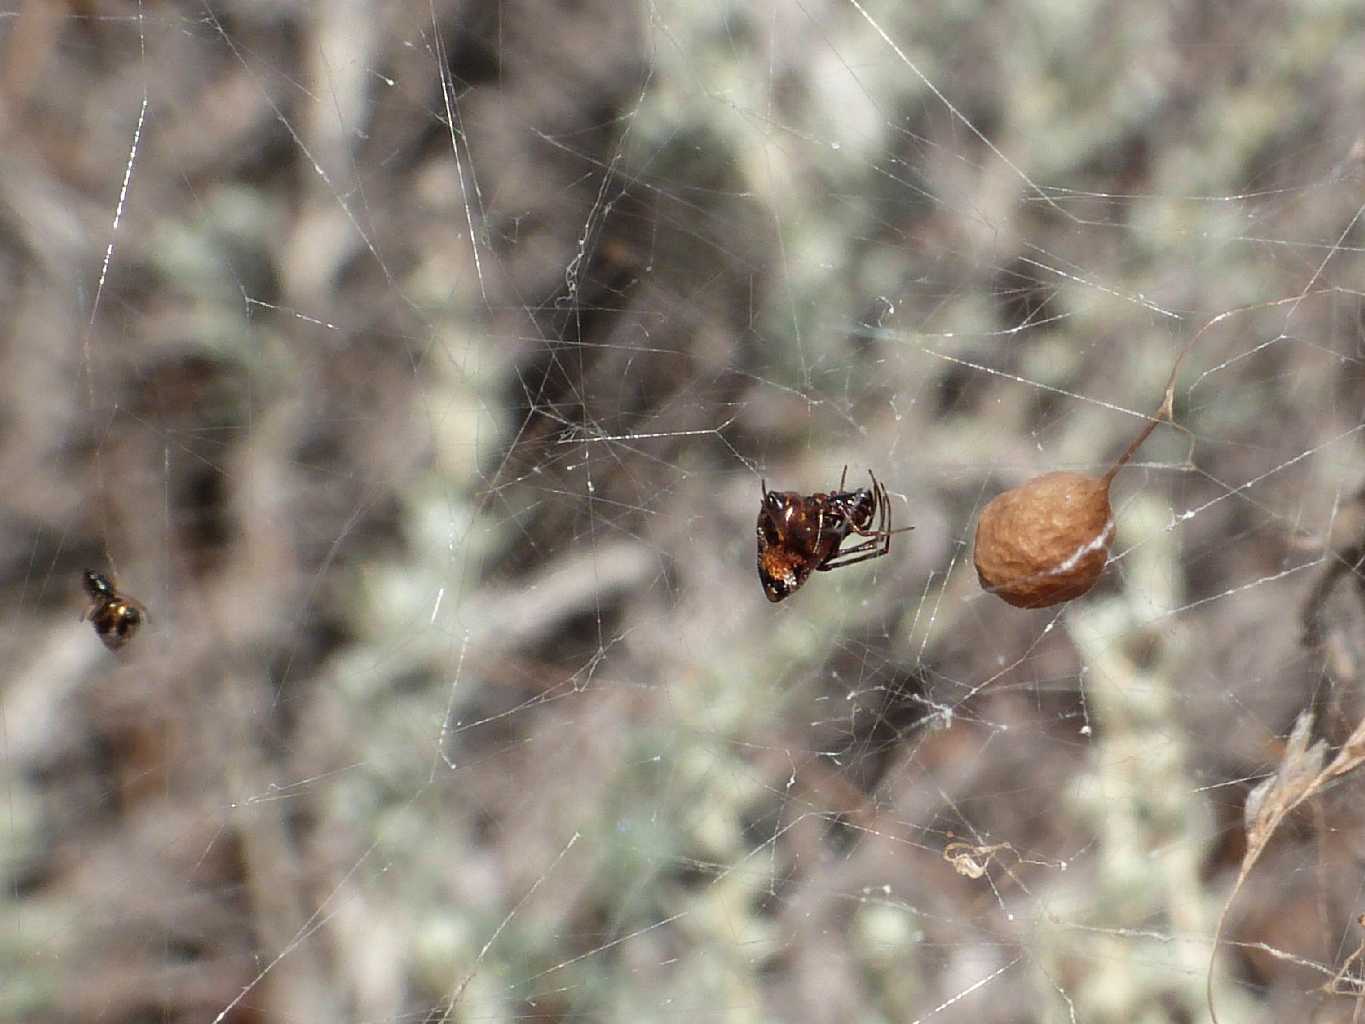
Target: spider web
416	364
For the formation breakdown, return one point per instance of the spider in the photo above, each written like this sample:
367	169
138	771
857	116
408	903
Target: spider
799	534
116	616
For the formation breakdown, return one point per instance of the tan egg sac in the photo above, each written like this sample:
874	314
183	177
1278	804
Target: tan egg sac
1045	541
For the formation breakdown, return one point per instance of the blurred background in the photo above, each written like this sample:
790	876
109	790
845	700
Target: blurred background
416	364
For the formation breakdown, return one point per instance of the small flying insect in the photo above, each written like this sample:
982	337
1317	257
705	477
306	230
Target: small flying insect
800	534
116	616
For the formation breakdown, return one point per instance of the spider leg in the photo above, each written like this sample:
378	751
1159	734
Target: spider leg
842	476
883	505
884	517
841	559
867	549
883	508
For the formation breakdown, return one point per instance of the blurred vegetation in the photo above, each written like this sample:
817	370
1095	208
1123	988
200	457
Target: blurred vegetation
424	397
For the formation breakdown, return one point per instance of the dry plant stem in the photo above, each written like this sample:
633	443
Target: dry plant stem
1342	984
1359	993
1299	777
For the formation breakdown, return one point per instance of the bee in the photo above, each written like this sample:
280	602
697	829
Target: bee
800	534
116	617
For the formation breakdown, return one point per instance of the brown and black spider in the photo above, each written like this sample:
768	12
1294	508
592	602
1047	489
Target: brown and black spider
800	534
116	617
